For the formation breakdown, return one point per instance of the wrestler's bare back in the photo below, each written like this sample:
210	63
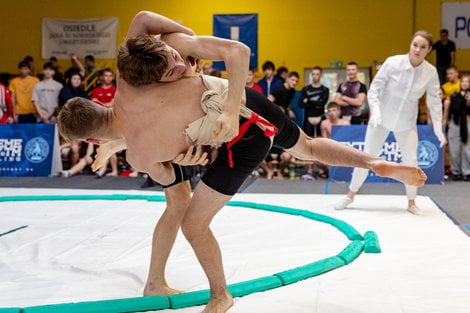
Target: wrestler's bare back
153	118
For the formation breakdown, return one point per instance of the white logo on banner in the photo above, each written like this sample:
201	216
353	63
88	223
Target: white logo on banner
427	154
97	37
36	150
456	19
389	150
10	150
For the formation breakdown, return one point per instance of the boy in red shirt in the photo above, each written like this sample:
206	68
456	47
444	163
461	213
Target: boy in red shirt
104	95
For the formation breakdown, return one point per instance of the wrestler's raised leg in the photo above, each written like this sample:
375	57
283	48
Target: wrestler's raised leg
334	153
205	203
178	198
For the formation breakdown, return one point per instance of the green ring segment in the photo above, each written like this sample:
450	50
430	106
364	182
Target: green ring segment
139	304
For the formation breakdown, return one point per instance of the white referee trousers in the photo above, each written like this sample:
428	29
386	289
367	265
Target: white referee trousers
407	141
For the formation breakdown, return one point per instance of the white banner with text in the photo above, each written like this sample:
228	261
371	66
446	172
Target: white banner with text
96	37
456	19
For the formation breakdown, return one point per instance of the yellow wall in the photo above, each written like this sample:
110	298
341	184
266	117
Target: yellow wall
296	33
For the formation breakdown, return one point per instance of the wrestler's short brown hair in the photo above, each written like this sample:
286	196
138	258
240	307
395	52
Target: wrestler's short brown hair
80	118
142	60
332	105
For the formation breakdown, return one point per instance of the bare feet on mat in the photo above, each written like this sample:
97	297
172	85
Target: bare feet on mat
163	290
219	304
410	175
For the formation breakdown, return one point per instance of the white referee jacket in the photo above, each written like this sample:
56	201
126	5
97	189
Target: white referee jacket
396	89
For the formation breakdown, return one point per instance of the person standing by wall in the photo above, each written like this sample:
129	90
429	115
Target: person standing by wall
313	99
22	92
46	95
351	95
269	82
445	54
457	117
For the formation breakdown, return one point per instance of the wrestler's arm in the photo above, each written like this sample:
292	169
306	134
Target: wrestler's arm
236	57
149	23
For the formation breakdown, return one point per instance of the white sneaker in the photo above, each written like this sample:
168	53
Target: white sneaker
341	205
416	211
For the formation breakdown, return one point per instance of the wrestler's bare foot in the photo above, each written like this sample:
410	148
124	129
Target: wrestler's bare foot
219	304
163	290
410	175
112	174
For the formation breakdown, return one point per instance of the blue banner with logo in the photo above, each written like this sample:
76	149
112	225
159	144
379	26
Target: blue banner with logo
430	155
239	27
26	149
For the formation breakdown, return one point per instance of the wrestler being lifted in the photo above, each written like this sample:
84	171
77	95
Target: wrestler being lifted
162	108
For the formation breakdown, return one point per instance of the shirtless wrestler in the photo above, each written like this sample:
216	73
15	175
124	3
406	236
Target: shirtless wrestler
159	120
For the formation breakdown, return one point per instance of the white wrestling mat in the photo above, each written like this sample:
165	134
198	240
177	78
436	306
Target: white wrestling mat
94	250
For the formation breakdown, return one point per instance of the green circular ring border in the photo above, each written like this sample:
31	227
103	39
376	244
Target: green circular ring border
138	304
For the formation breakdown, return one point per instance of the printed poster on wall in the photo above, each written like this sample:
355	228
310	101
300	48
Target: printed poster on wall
456	19
97	37
430	155
239	27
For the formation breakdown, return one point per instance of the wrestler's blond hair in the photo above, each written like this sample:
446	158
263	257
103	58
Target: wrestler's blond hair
142	60
81	119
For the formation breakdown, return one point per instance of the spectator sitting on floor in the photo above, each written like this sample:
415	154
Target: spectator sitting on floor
73	89
250	80
83	162
332	118
6	106
21	95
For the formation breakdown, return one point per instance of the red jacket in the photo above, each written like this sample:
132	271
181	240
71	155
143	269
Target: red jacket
5	104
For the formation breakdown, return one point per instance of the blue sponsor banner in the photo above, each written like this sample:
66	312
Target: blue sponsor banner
430	155
26	149
239	27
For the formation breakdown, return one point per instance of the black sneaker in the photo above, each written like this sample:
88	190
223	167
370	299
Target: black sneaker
466	178
456	177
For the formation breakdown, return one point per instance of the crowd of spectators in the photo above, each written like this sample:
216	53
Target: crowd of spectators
33	97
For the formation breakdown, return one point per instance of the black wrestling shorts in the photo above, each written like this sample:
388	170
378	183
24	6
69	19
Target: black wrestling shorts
252	148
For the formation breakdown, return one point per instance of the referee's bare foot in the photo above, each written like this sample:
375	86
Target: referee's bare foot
409	175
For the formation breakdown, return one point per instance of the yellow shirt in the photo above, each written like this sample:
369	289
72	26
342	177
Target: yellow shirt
23	90
451	88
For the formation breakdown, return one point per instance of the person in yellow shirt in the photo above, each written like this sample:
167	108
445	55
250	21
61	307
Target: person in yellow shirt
21	89
453	82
